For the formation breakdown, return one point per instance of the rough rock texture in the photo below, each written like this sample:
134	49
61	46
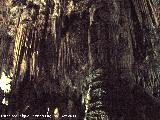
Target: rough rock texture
94	59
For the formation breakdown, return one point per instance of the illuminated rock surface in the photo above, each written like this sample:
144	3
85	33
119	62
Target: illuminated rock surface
93	59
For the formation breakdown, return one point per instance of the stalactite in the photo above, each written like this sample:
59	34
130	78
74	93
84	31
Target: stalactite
72	49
